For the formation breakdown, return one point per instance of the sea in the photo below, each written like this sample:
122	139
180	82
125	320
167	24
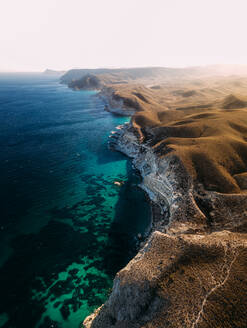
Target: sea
66	228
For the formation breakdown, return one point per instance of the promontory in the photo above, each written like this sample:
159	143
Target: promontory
188	139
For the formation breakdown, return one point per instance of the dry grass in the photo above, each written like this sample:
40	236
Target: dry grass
204	123
190	280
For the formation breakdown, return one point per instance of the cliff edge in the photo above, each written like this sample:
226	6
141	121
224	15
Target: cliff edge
188	139
180	281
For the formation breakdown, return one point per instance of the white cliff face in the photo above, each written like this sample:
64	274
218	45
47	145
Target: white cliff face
115	106
165	180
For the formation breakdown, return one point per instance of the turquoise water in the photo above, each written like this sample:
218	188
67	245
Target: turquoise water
65	228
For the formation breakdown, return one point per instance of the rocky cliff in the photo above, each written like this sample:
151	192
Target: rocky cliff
187	280
191	272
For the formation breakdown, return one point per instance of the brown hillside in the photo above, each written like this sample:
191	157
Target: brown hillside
232	101
191	272
212	143
200	128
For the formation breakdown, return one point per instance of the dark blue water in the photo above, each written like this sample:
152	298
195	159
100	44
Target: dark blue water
65	228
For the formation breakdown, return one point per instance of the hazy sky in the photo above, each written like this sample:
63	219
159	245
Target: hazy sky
61	34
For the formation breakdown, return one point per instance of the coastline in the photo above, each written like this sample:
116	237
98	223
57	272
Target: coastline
157	213
113	103
178	218
157	210
125	141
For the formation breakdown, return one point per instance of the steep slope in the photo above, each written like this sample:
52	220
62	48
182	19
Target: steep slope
232	101
188	139
177	282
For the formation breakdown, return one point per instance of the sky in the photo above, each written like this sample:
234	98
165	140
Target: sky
64	34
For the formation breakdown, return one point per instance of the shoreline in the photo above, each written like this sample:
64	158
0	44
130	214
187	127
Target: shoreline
155	210
178	218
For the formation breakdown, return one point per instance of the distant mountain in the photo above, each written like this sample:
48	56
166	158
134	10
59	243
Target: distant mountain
87	82
121	75
151	74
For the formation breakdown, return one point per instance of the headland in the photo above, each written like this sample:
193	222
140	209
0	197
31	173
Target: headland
188	139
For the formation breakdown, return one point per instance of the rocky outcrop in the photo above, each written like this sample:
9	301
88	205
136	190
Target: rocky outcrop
87	82
116	104
180	281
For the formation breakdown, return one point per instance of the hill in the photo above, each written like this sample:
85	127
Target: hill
188	139
147	75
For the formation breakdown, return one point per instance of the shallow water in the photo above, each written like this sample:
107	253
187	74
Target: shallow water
65	228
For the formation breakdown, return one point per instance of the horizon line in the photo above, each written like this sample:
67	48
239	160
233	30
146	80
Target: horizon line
116	67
